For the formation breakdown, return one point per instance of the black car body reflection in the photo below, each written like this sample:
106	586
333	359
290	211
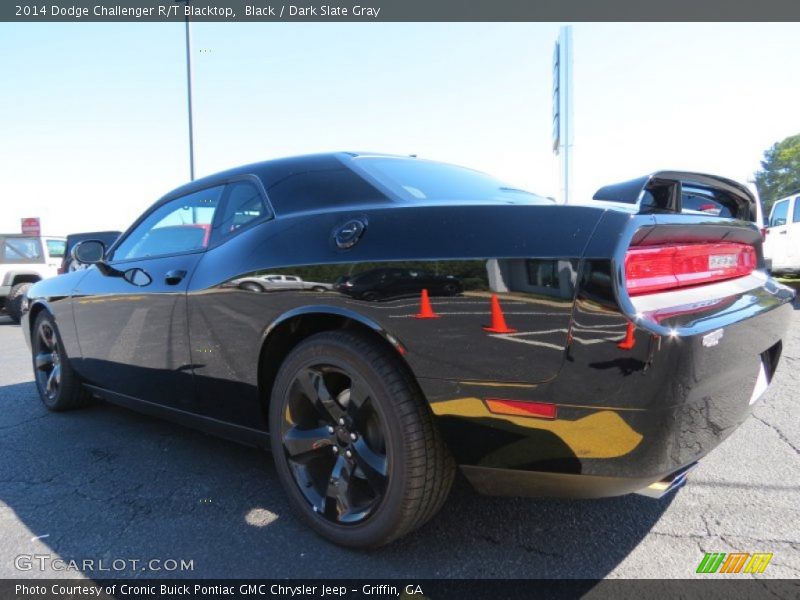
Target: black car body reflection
396	282
509	314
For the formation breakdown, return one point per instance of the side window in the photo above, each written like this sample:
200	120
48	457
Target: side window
244	205
56	248
21	250
180	225
796	211
779	213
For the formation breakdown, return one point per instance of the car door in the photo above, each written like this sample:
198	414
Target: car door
293	283
225	325
131	318
777	235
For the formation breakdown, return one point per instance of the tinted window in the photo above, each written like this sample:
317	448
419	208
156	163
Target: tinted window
22	250
418	180
309	190
796	211
56	248
779	213
244	204
181	225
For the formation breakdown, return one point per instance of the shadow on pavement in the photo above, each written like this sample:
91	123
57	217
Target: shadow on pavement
6	320
105	484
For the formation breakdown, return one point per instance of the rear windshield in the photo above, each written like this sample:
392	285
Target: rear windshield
697	203
321	188
420	180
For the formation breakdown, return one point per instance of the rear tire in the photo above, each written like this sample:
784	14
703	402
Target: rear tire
354	441
58	385
14	301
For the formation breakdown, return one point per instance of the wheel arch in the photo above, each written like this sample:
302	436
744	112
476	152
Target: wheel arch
25	277
294	326
35	309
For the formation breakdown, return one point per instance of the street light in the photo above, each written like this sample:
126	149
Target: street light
189	90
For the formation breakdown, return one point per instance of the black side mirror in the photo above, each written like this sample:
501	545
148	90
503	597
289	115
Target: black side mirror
93	252
89	252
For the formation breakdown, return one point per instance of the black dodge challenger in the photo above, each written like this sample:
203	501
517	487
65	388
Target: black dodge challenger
583	350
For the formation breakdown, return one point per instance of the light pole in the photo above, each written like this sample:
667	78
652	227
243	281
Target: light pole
189	90
562	108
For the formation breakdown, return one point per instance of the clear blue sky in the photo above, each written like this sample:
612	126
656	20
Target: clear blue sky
93	116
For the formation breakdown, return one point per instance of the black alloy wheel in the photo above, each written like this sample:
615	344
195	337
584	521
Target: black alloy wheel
334	442
58	385
354	441
47	362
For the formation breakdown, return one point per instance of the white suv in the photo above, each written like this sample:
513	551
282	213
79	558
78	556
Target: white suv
24	260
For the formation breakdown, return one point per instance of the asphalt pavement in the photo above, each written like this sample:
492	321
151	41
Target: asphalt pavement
119	489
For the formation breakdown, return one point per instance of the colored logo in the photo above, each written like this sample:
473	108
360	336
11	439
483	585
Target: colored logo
735	562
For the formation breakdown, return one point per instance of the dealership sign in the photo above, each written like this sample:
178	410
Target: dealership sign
31	226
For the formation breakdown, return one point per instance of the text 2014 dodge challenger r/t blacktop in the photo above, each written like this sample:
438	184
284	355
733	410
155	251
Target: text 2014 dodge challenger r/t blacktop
579	350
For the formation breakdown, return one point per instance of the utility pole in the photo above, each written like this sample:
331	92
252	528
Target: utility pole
562	108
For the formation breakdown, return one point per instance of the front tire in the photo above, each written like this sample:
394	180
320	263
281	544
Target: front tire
252	286
14	301
58	385
354	441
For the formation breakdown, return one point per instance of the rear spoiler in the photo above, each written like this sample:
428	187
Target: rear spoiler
662	191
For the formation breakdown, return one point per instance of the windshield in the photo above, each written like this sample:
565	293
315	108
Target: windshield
420	180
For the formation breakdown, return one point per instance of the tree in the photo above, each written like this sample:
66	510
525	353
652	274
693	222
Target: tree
780	172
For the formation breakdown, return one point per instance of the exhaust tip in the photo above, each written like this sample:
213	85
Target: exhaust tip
662	487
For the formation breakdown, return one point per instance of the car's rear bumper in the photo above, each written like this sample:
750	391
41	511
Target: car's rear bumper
629	415
512	482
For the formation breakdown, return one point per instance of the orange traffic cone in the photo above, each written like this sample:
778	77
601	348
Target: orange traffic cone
425	308
629	342
498	320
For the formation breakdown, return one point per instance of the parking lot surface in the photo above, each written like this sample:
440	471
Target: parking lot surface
105	484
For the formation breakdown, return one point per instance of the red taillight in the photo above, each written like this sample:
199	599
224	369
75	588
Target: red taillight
522	408
651	269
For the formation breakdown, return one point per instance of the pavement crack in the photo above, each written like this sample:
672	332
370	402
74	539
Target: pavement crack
781	435
705	524
534	550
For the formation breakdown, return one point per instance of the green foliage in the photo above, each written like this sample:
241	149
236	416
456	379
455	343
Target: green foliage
780	172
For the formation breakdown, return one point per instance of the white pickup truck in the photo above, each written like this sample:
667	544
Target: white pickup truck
24	260
782	244
277	283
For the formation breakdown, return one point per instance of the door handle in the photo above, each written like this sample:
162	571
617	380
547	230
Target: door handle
174	277
782	232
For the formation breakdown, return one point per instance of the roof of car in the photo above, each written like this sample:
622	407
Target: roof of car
271	172
323	189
